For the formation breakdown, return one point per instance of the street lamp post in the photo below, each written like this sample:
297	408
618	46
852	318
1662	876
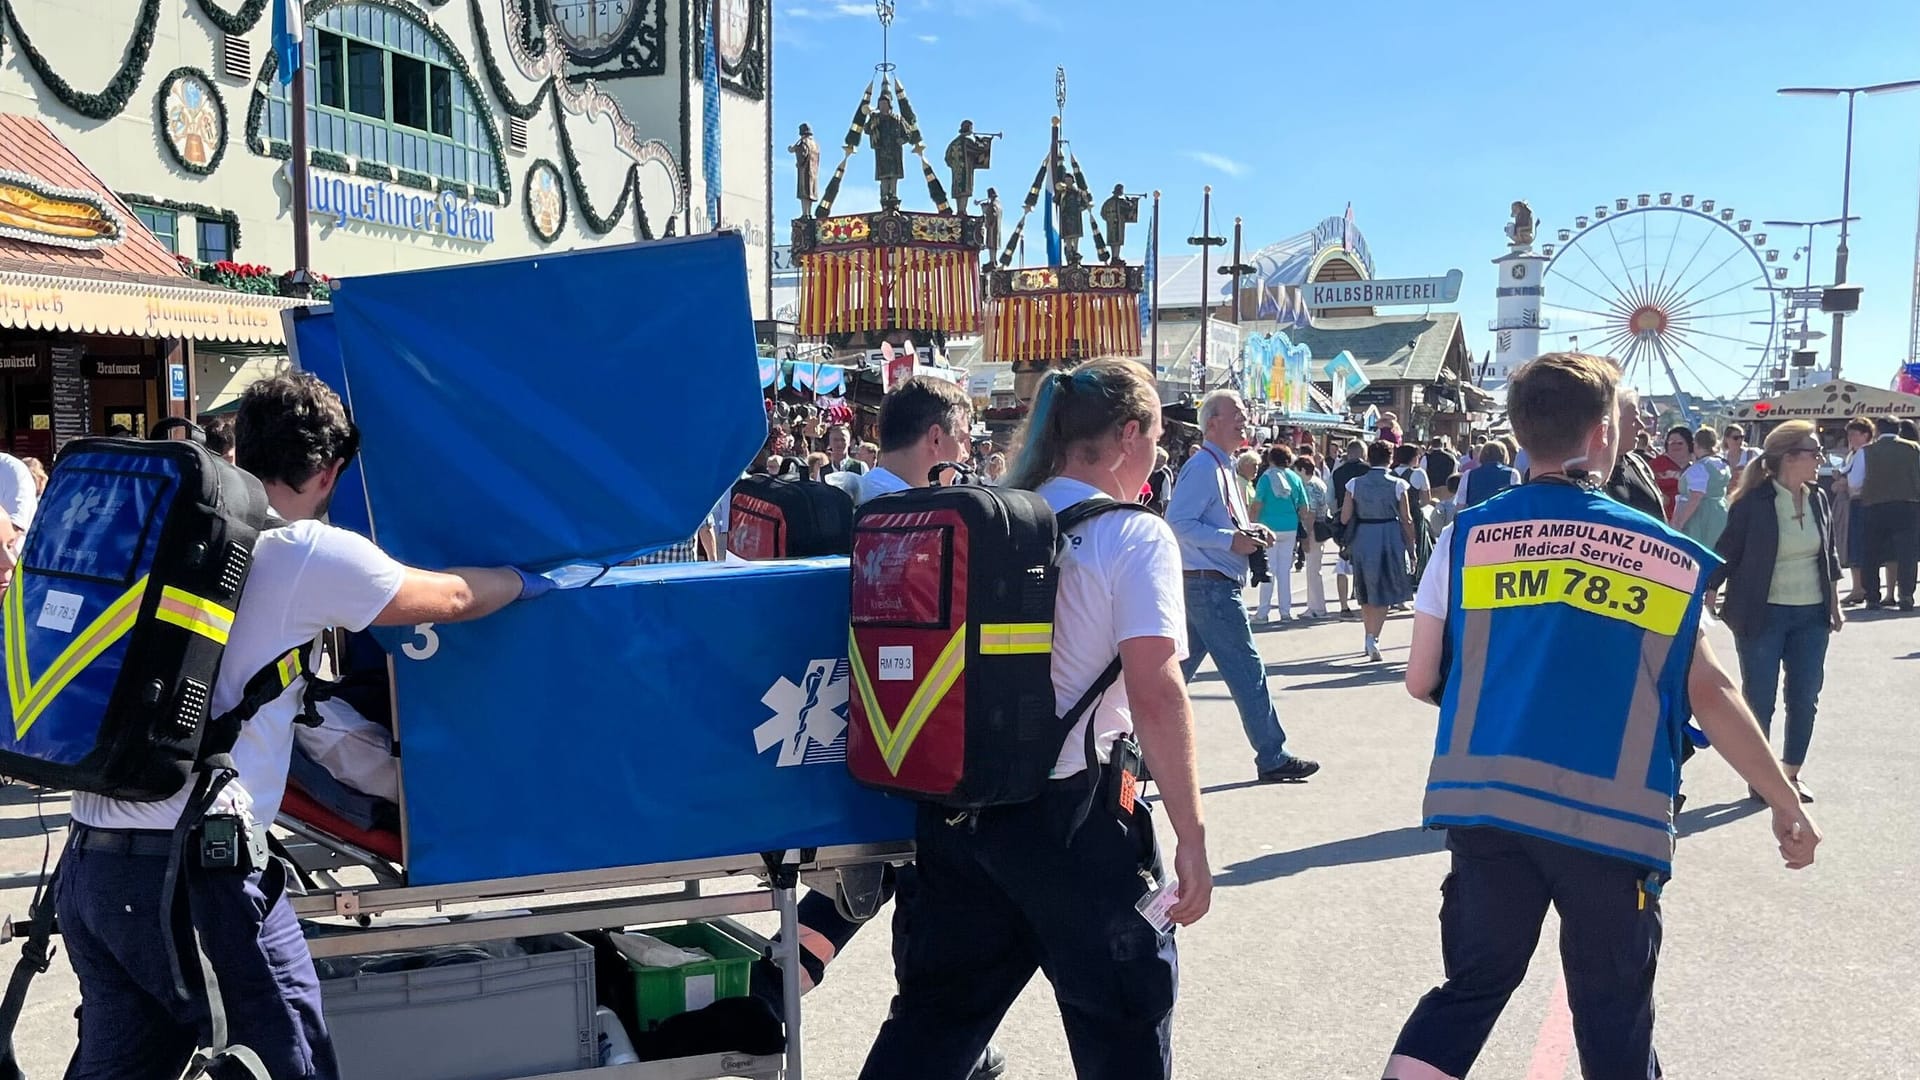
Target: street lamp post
1846	184
1806	334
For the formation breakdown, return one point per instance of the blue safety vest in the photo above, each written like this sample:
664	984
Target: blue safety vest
1570	631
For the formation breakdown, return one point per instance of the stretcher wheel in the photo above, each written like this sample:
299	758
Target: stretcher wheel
861	891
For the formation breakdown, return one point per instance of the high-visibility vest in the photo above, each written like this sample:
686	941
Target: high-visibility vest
1571	628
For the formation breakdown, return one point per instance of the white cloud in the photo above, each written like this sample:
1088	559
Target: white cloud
1221	162
929	39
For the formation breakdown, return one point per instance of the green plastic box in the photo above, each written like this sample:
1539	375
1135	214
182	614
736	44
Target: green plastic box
660	993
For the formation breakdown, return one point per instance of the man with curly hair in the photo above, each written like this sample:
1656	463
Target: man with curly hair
293	434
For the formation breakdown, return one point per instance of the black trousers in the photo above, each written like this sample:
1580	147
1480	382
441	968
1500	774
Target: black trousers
1004	894
1493	903
1892	536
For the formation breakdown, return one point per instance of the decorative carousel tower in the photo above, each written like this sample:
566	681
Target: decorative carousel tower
1069	310
889	277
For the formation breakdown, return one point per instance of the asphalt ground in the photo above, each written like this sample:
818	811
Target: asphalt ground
1323	931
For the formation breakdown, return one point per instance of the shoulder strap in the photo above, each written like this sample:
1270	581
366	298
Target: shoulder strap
1087	509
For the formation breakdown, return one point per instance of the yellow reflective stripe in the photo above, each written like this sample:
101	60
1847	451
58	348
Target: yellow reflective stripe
16	641
111	625
202	616
940	679
876	720
289	668
1002	639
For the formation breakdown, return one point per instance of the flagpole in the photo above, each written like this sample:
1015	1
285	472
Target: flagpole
301	279
1154	237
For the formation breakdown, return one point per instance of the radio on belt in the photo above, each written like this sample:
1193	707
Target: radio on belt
227	844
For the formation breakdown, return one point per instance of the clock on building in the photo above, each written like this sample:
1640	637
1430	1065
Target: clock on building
592	29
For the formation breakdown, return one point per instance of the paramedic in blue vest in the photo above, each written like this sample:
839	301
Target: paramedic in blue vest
1052	885
1560	632
307	576
1217	534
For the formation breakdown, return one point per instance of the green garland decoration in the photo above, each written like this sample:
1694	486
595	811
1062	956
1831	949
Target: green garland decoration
526	202
496	80
409	178
201	211
237	23
113	99
373	170
328	160
628	191
219	106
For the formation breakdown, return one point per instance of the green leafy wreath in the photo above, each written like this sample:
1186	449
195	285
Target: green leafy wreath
526	201
113	99
219	107
237	23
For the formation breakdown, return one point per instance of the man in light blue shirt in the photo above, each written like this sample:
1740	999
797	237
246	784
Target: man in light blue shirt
1209	517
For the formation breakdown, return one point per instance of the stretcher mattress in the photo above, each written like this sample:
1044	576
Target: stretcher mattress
668	713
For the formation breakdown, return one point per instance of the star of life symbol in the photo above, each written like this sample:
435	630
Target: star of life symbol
79	508
809	721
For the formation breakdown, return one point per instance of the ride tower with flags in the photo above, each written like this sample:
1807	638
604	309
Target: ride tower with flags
1071	309
892	278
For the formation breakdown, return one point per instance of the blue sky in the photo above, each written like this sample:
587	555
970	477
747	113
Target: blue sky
1430	119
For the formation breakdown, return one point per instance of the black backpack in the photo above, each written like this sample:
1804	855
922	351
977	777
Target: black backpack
788	517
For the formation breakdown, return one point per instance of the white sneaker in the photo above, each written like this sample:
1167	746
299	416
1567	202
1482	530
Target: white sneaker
1373	649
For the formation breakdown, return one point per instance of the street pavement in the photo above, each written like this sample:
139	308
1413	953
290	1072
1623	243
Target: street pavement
1323	931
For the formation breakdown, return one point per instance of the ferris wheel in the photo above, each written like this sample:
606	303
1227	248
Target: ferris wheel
1680	290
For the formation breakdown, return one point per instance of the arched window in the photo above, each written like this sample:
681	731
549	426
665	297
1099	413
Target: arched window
382	88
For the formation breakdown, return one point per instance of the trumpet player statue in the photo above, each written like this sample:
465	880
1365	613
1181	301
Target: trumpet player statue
1118	212
967	154
806	161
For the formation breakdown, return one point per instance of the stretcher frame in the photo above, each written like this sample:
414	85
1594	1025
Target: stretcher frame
587	900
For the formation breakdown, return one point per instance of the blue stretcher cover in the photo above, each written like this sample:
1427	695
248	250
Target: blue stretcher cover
512	413
666	713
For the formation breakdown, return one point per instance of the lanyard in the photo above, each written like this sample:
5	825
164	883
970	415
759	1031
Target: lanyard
1236	512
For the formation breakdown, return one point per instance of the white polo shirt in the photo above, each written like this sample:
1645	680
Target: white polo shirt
19	496
1119	580
306	577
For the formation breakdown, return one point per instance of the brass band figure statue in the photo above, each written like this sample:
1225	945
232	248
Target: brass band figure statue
967	154
1073	206
990	213
1118	212
887	134
806	160
1520	229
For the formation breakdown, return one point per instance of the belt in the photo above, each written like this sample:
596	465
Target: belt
1208	574
150	843
1376	521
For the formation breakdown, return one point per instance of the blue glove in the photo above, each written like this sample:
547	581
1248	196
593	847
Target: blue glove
532	586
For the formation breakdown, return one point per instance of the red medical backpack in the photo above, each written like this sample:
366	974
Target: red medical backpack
952	643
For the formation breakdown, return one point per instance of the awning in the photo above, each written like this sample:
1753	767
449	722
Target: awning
138	309
1832	401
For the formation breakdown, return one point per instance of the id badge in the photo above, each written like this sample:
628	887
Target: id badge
1154	906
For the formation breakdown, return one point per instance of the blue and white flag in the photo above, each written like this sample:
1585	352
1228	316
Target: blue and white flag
289	27
710	121
1053	233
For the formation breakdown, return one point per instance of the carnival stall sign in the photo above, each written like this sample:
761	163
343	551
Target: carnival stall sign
869	278
1069	310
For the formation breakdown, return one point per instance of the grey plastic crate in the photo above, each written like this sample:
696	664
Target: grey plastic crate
491	1019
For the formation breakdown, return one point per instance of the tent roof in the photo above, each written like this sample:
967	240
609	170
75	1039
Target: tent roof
1832	401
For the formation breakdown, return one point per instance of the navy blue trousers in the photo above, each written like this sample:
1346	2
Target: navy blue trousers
1493	903
132	1025
1004	894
